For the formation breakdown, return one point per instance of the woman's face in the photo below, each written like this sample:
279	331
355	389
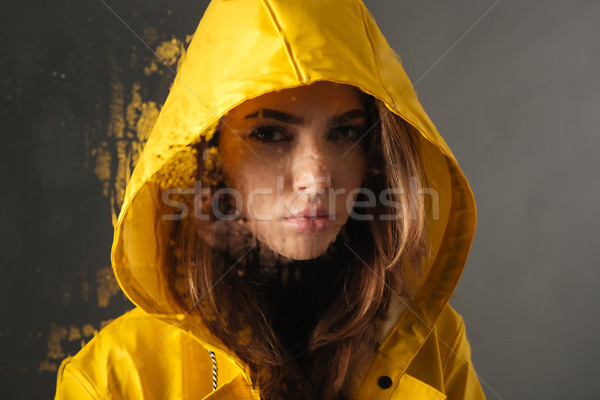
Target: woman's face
293	158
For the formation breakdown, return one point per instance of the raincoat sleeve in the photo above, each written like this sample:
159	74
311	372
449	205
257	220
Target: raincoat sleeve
460	379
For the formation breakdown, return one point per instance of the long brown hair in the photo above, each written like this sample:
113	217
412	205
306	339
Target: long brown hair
201	281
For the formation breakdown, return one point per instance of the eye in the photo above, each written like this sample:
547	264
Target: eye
269	134
350	133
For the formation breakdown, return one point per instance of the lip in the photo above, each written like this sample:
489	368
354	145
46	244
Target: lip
310	220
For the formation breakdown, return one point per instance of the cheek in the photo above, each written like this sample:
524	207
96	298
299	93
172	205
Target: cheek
352	171
256	184
350	174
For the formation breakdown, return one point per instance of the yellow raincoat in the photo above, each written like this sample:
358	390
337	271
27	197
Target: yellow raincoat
242	49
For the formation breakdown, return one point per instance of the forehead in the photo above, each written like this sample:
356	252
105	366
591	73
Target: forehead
326	98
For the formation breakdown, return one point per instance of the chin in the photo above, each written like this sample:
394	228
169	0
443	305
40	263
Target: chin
303	247
294	245
305	255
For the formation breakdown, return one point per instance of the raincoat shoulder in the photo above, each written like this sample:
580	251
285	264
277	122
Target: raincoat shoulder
138	356
453	373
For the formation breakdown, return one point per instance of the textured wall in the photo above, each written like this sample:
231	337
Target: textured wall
512	87
79	93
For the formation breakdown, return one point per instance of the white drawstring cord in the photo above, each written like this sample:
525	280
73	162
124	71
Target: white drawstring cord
215	369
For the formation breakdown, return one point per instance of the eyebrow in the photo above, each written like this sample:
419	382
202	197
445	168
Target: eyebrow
295	120
348	116
276	115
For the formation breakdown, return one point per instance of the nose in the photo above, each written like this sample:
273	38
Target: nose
311	176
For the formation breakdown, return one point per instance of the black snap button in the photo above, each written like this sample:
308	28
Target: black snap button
384	382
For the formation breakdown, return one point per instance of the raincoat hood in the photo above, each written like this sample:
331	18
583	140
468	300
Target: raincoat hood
245	48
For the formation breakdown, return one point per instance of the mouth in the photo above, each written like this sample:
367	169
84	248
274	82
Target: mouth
310	220
311	213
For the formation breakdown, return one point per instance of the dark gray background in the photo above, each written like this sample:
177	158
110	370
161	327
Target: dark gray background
512	86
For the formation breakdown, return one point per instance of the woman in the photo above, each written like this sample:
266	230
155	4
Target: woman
294	227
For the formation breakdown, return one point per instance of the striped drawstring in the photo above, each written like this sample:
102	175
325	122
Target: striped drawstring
215	369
